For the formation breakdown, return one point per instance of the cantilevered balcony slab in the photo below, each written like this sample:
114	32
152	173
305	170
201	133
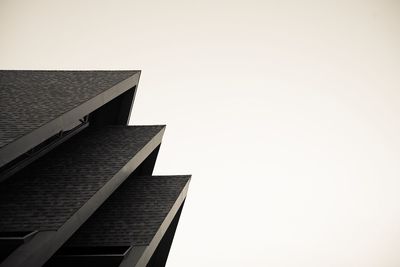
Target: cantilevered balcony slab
37	105
54	196
135	222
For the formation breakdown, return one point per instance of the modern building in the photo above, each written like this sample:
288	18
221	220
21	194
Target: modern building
76	183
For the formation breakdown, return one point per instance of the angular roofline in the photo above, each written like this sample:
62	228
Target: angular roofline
64	122
141	255
44	244
131	255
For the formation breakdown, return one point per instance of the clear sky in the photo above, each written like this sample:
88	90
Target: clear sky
286	113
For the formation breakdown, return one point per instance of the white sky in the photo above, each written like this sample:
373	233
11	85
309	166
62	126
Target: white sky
285	112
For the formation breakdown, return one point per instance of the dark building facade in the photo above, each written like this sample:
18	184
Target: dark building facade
76	183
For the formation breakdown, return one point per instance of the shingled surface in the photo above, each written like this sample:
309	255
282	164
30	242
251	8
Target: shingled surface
30	99
132	215
48	193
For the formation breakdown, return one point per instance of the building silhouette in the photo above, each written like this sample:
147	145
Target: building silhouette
76	183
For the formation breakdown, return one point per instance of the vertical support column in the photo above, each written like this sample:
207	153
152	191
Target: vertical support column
147	166
115	112
160	256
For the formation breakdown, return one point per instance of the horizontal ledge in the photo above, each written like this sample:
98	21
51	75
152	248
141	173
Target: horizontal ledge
104	251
